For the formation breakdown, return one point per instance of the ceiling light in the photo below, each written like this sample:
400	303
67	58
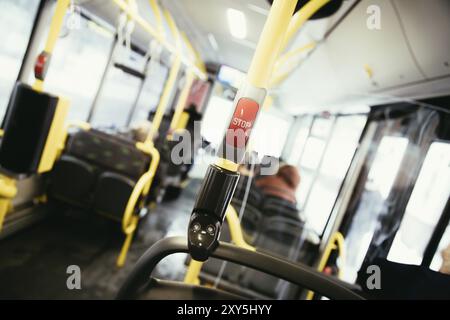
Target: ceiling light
237	23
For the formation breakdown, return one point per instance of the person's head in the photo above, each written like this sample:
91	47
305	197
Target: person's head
141	130
290	175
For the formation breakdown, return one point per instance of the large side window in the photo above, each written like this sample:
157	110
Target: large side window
119	92
16	22
149	97
324	161
270	133
77	65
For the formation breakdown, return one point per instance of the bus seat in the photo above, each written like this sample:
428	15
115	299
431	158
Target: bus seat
81	177
108	152
116	165
112	193
281	236
273	207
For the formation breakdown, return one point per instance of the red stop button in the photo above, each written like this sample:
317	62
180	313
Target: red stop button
241	124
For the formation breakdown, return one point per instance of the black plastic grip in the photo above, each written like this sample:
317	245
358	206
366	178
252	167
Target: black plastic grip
209	211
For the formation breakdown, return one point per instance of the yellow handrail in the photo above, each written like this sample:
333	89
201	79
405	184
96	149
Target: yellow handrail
174	30
195	54
291	54
53	33
182	99
164	100
157	13
236	233
336	241
142	187
157	36
271	39
299	19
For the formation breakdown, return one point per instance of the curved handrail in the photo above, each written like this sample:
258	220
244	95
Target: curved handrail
296	273
142	187
336	241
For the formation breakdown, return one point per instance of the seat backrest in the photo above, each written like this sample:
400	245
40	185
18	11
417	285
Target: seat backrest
279	235
108	152
273	206
26	129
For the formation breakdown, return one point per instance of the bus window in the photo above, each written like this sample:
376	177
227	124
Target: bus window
424	208
270	142
16	22
294	150
321	180
149	97
78	62
213	126
119	93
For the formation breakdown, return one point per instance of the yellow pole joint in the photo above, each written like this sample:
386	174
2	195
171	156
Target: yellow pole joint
270	41
299	19
293	53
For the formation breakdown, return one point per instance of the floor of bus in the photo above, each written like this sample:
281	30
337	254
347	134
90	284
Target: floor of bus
33	262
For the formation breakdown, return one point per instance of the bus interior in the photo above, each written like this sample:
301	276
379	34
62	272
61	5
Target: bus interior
127	169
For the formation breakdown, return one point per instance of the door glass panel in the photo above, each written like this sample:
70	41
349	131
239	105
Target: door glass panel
425	206
382	174
296	148
337	158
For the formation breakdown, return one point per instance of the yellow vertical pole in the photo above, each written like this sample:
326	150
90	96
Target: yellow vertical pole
182	99
165	96
8	190
157	12
164	100
173	29
193	272
55	29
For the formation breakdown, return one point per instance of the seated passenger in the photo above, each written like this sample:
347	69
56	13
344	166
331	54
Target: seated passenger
141	130
282	185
